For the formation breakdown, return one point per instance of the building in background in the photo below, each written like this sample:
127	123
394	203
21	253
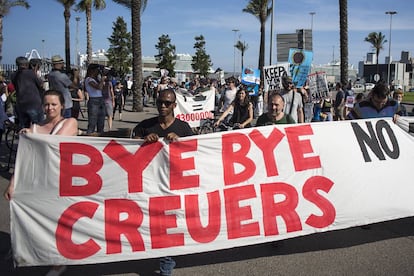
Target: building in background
301	39
401	72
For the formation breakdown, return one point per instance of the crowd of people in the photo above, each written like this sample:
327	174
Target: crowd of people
54	110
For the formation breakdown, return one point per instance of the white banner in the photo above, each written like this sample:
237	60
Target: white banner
82	200
194	108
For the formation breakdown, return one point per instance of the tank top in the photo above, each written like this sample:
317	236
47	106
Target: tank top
55	130
240	114
327	106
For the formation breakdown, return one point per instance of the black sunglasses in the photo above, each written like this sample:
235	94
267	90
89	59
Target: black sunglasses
166	103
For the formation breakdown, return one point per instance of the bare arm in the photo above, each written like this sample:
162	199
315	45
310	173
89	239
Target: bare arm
225	113
250	119
8	193
300	115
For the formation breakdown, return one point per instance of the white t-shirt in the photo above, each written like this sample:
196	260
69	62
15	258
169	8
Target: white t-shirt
229	96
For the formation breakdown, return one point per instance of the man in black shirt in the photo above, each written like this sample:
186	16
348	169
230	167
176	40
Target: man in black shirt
29	90
167	126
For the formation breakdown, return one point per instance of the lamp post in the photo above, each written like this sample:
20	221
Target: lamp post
391	13
271	33
77	18
312	14
43	49
234	50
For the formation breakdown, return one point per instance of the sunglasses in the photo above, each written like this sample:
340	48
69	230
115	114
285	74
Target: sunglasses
166	103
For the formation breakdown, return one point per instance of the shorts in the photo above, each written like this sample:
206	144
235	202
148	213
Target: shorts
339	112
109	108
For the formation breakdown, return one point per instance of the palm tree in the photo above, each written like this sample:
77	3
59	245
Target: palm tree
5	6
137	7
261	10
242	47
343	33
67	5
377	41
86	6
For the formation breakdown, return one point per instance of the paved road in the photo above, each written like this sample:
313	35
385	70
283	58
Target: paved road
384	249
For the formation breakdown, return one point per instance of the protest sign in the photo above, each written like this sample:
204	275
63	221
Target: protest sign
273	76
194	108
81	200
251	80
300	65
318	86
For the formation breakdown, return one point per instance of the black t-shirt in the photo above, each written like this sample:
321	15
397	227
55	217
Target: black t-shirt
28	89
152	125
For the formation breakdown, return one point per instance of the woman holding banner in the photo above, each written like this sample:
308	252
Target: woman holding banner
54	124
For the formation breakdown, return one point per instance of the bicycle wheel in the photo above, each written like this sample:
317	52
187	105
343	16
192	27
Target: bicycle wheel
206	127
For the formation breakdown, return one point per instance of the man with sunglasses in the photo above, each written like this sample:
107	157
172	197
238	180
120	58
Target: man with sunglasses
167	126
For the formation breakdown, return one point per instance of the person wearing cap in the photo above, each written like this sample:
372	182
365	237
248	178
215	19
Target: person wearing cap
29	91
61	82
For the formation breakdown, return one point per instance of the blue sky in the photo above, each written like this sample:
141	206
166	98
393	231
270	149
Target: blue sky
182	20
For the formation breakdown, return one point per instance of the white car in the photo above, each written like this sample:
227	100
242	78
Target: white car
369	86
358	88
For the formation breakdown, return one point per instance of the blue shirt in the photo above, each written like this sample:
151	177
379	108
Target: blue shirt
366	110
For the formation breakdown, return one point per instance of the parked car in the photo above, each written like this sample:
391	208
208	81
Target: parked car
411	89
358	88
369	86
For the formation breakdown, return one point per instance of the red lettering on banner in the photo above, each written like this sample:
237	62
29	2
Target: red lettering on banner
235	214
285	208
310	192
230	157
299	148
197	116
114	227
178	165
192	215
64	230
133	164
160	222
88	171
268	146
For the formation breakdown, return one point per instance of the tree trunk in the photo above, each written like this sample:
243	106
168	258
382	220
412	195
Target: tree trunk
262	49
66	14
343	26
1	38
242	61
89	35
137	104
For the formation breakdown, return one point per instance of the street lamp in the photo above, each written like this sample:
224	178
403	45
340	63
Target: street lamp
312	14
271	33
234	50
43	49
391	13
77	18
